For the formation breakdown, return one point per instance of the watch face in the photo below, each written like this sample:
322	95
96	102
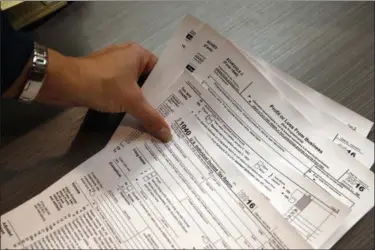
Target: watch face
39	67
39	61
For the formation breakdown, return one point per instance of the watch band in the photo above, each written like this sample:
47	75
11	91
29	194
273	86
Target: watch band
36	74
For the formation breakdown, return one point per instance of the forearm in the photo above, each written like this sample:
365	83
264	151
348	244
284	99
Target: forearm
63	82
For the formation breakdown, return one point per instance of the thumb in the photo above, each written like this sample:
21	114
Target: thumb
152	121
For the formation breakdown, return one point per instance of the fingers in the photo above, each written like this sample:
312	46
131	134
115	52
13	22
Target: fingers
150	63
147	59
152	121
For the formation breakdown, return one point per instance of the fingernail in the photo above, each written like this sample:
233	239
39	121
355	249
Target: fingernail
165	134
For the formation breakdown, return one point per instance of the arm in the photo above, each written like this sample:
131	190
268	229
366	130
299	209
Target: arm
105	80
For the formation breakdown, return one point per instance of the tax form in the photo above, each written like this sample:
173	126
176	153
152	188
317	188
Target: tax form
218	198
313	212
348	117
341	113
176	56
300	145
341	134
151	195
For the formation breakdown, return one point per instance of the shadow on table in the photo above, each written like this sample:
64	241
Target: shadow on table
95	132
17	118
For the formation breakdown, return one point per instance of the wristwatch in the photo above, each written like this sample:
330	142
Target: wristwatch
36	74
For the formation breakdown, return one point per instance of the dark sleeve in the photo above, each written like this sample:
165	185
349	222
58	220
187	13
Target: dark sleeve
16	49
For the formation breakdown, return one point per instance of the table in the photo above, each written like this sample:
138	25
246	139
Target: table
25	13
327	45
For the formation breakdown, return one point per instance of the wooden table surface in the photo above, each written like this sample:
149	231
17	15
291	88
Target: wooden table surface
327	45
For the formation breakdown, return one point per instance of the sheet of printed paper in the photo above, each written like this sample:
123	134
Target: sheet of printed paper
211	190
173	61
260	109
151	195
357	146
350	183
355	121
348	117
311	210
341	113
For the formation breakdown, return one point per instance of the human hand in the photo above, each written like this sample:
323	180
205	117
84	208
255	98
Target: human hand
105	81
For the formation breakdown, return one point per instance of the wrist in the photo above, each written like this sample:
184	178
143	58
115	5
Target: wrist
62	83
28	84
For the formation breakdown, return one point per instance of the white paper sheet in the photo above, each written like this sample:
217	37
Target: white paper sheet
151	195
175	57
341	175
355	121
261	109
311	210
357	146
348	117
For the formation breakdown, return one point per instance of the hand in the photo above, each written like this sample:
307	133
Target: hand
105	81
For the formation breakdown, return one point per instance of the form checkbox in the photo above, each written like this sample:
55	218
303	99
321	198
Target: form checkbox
209	119
259	165
297	194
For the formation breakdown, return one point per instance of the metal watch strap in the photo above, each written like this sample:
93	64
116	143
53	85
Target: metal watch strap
36	73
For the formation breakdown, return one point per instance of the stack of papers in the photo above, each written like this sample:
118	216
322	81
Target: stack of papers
258	160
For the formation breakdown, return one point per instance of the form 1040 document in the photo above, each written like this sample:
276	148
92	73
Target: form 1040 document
312	211
266	117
